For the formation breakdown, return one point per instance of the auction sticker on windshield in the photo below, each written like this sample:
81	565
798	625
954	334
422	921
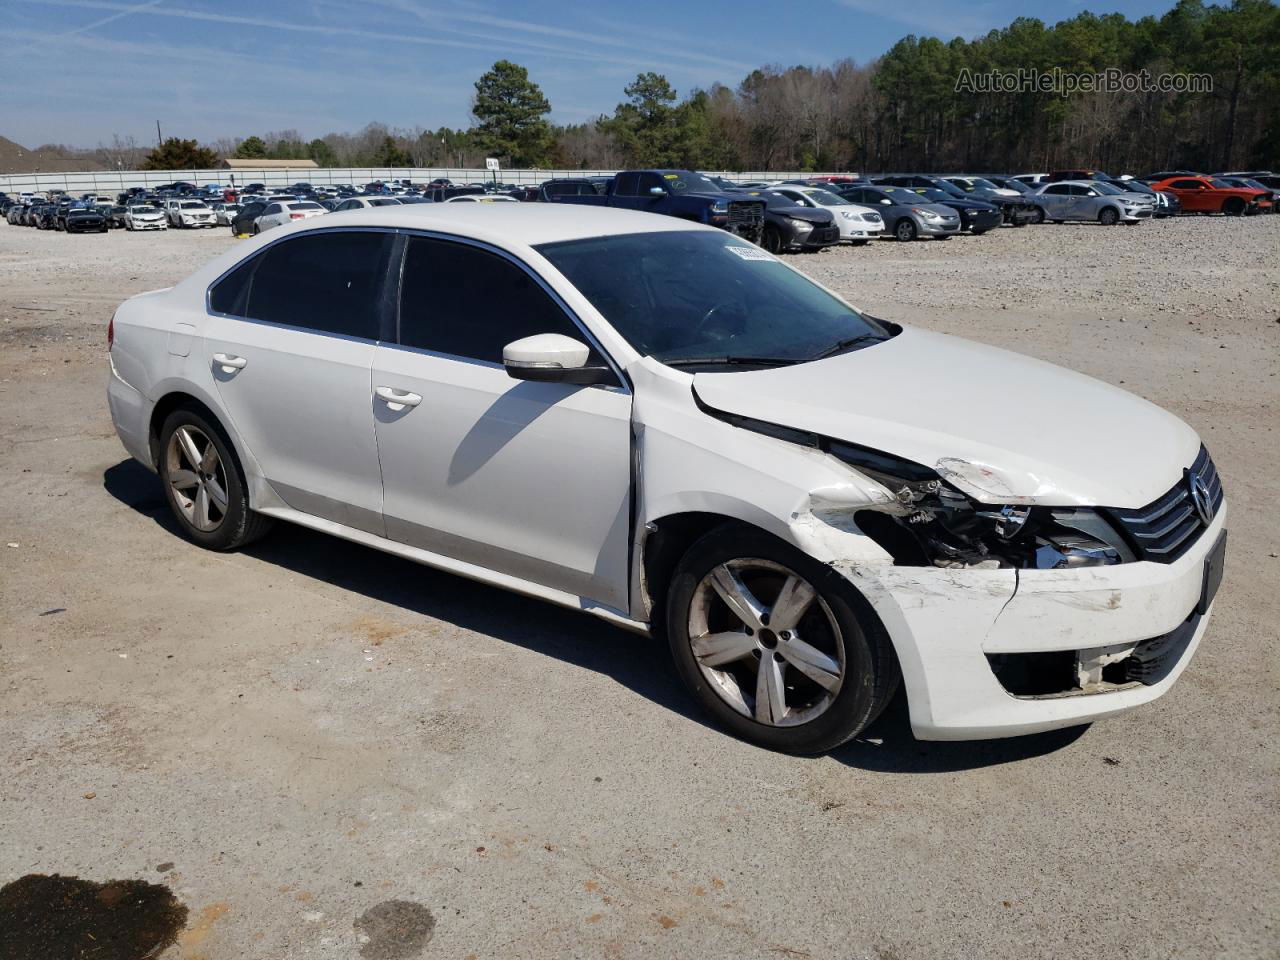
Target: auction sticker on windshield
750	253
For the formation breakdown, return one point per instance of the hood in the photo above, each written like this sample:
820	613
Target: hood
967	204
939	208
1002	427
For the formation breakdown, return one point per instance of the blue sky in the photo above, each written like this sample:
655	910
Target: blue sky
83	70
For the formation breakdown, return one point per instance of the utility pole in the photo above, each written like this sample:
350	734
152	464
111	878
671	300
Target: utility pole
159	140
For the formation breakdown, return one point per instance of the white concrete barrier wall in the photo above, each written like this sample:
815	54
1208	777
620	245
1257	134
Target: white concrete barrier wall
111	182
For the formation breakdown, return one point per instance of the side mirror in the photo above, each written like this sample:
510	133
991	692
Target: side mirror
886	201
657	192
553	358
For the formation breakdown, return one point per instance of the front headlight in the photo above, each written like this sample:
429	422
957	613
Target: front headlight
720	206
848	215
804	226
927	214
935	524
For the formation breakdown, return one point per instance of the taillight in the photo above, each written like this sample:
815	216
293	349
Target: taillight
111	332
296	216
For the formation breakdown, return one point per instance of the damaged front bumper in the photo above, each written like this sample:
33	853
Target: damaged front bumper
991	653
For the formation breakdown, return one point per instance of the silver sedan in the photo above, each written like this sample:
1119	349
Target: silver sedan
1090	200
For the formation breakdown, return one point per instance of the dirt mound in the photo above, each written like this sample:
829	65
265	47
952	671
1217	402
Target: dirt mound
15	158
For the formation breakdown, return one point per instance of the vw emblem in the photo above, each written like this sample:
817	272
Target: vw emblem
1200	497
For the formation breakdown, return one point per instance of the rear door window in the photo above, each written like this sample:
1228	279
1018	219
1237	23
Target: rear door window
331	282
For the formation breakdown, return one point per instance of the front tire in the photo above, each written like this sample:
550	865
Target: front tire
1038	216
204	484
1108	216
772	240
777	647
905	231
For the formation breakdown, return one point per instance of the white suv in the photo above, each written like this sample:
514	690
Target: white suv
189	213
663	425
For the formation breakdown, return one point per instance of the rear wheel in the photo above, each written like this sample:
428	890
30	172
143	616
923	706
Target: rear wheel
1108	216
905	230
204	484
777	647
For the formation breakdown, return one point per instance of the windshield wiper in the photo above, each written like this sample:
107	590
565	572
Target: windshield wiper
733	361
848	342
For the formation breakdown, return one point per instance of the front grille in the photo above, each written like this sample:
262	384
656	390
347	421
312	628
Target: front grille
1164	530
825	235
746	214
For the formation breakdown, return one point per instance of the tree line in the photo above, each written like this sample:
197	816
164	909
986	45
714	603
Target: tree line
905	110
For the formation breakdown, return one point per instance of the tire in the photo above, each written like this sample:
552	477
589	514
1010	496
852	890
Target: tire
771	240
905	230
943	236
1108	217
1039	216
1233	207
216	527
256	230
846	644
858	243
977	233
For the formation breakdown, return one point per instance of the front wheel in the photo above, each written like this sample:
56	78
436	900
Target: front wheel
858	243
772	240
777	647
1108	217
905	230
204	484
1038	216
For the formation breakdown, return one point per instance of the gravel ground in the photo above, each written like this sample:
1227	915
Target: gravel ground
324	751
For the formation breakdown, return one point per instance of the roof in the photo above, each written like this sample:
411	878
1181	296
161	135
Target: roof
235	163
509	224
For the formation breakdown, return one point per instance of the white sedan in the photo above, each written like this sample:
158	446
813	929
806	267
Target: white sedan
278	214
144	217
661	424
364	203
858	224
481	198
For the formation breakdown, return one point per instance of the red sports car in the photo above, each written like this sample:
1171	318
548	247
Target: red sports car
1210	195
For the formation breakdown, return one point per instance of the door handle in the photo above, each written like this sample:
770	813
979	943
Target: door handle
229	362
397	400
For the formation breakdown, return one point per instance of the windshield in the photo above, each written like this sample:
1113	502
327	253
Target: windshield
1011	184
700	295
143	210
194	205
1220	183
825	198
686	181
982	183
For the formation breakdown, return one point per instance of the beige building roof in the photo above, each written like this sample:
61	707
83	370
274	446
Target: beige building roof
235	163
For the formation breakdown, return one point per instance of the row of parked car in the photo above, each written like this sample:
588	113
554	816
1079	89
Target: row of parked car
787	215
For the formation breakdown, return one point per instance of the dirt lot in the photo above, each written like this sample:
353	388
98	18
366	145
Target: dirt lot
325	751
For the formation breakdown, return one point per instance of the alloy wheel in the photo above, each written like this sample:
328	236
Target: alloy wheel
766	642
197	477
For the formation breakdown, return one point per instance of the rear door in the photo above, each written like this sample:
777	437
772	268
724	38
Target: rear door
290	338
528	479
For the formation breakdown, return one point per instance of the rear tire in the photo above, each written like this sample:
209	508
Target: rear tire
848	671
204	483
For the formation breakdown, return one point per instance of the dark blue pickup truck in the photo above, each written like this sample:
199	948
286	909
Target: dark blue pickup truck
679	193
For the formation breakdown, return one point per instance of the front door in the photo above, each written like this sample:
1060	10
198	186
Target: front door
531	480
